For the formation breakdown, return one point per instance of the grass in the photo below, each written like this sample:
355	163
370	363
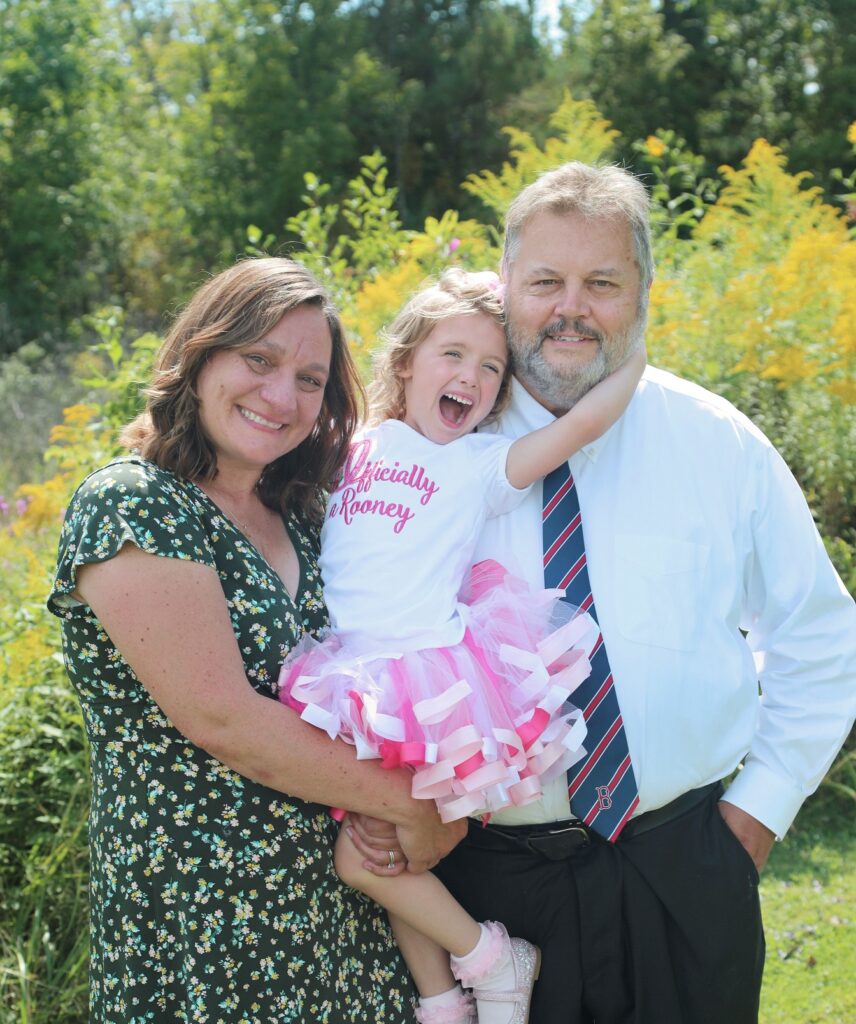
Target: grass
808	894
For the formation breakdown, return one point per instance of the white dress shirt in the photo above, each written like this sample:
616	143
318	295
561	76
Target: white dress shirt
709	579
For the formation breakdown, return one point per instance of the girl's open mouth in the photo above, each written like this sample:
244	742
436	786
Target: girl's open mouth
454	408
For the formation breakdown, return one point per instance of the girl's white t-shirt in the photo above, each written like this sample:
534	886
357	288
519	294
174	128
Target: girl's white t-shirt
400	531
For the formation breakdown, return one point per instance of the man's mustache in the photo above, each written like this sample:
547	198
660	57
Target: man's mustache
575	326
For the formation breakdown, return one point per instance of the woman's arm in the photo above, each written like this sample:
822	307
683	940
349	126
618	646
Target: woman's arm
535	455
169	619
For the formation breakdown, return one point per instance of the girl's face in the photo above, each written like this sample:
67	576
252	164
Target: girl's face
454	377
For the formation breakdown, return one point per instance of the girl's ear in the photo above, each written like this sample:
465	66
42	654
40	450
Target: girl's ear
405	372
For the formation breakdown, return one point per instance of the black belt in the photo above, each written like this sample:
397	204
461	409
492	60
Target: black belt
557	840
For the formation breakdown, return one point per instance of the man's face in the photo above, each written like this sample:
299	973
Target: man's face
573	305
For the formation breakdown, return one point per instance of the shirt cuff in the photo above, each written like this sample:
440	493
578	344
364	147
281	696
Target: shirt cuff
774	801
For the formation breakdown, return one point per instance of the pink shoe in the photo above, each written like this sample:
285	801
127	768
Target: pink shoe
463	1011
502	978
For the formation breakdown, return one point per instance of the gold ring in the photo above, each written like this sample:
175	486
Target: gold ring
391	864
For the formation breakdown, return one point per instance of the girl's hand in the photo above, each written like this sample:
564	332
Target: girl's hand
540	452
378	843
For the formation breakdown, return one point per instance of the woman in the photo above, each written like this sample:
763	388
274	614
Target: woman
186	572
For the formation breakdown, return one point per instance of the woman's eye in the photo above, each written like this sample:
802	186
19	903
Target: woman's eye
311	383
254	359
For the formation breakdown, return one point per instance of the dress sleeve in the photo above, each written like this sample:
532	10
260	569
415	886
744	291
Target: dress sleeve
490	452
128	501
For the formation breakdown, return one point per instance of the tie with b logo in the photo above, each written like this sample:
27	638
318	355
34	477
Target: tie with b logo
602	786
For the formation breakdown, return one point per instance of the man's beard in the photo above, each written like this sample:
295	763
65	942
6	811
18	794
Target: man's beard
561	386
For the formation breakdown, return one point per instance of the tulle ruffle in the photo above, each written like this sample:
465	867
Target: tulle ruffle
482	724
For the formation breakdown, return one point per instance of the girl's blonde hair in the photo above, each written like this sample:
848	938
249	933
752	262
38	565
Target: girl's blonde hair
457	293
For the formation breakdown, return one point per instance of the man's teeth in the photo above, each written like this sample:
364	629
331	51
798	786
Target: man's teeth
458	398
254	417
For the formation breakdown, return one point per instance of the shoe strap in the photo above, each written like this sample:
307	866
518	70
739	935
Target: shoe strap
483	996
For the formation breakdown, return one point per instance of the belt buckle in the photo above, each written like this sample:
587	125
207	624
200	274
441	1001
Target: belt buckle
560	843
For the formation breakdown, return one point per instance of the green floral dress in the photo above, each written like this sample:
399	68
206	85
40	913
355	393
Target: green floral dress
213	899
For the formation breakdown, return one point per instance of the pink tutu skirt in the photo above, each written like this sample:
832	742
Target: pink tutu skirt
482	724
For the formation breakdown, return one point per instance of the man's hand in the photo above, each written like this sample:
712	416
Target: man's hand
755	838
427	842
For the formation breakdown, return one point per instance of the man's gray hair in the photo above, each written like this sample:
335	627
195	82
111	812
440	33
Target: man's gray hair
593	192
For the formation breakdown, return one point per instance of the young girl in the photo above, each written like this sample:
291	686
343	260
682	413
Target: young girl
461	675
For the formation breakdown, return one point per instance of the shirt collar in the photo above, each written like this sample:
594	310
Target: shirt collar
534	415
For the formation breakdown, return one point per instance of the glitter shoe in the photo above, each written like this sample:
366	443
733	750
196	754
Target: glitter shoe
503	978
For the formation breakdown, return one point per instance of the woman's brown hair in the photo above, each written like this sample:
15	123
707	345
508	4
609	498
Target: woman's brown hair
235	309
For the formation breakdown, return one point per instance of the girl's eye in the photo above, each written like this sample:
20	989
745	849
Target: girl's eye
453	353
491	367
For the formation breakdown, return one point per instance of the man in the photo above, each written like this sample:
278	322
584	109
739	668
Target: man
707	577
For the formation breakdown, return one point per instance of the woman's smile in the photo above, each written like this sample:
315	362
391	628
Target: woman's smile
259	402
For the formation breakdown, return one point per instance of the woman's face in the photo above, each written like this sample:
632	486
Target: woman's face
259	402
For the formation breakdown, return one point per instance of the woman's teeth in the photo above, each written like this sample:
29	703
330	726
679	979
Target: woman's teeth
254	417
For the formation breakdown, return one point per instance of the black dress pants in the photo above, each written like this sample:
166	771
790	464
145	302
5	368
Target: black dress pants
663	927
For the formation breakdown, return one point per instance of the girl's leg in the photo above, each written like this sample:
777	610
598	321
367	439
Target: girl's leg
420	902
441	999
429	923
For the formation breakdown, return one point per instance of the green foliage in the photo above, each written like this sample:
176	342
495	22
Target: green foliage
60	91
138	138
578	132
753	298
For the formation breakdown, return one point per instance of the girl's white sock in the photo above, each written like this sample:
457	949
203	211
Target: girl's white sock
478	950
450	998
452	1007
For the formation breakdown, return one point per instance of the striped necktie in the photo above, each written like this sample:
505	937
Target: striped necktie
602	786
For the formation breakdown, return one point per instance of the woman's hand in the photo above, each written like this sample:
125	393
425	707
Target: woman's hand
378	843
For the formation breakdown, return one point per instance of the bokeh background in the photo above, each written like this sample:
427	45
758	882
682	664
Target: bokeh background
147	143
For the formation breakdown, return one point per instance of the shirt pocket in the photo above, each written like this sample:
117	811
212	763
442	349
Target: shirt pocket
659	588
